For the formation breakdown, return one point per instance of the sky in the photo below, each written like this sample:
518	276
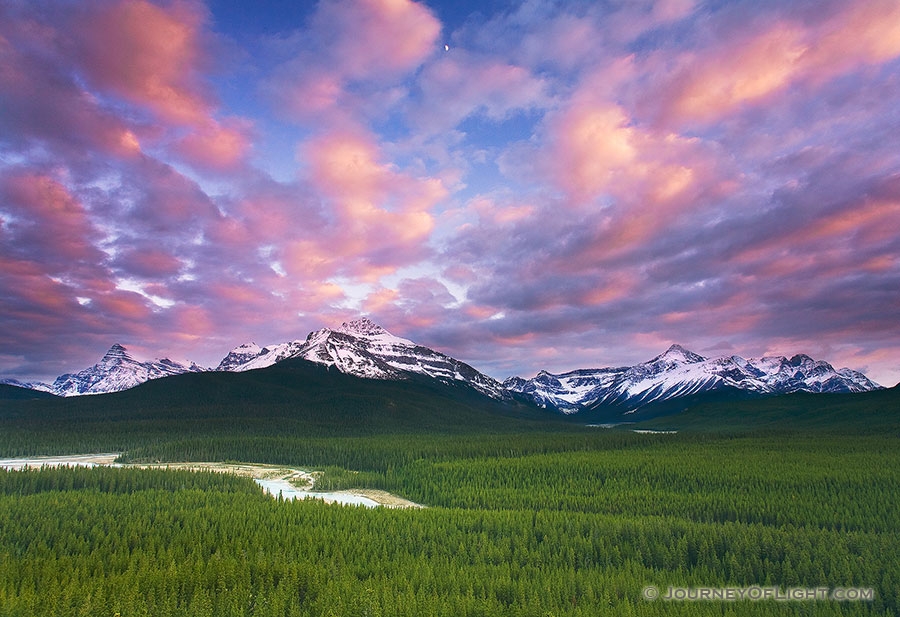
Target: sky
522	185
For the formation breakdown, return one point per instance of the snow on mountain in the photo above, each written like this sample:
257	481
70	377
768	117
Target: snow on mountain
365	349
31	385
678	372
116	371
239	356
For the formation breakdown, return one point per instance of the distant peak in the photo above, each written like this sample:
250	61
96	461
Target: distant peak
677	352
800	359
116	352
251	346
361	327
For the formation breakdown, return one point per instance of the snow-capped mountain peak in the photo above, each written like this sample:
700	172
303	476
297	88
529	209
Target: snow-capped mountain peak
677	353
116	354
31	385
365	349
250	347
361	327
118	370
680	372
238	356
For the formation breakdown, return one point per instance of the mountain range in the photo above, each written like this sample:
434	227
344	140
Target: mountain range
116	371
678	373
364	349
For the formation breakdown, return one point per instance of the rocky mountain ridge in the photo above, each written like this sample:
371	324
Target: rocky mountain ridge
364	349
679	372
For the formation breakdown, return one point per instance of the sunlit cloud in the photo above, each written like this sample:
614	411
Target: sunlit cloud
544	185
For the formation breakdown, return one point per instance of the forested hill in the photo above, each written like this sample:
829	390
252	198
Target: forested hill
325	402
293	397
867	412
16	393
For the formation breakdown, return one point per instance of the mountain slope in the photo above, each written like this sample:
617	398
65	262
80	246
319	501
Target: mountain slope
295	396
116	371
30	385
680	373
10	392
364	349
874	412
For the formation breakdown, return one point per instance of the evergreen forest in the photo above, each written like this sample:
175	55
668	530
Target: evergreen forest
525	516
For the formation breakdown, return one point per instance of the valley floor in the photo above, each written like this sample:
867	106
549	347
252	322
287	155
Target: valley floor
578	523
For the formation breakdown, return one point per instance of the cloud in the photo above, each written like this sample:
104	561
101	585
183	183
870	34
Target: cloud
461	84
756	64
635	180
40	99
672	171
45	223
378	36
552	37
381	217
147	54
348	44
216	146
149	263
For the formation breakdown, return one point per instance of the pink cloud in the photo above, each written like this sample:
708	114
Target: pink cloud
163	199
614	286
48	221
218	146
595	146
565	40
343	166
193	322
616	215
672	10
882	263
461	84
600	156
151	263
309	259
41	100
836	236
873	217
415	303
479	312
379	36
313	93
376	41
642	178
570	36
126	305
763	65
751	68
157	58
460	273
380	300
381	216
236	293
148	54
37	292
64	80
863	33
